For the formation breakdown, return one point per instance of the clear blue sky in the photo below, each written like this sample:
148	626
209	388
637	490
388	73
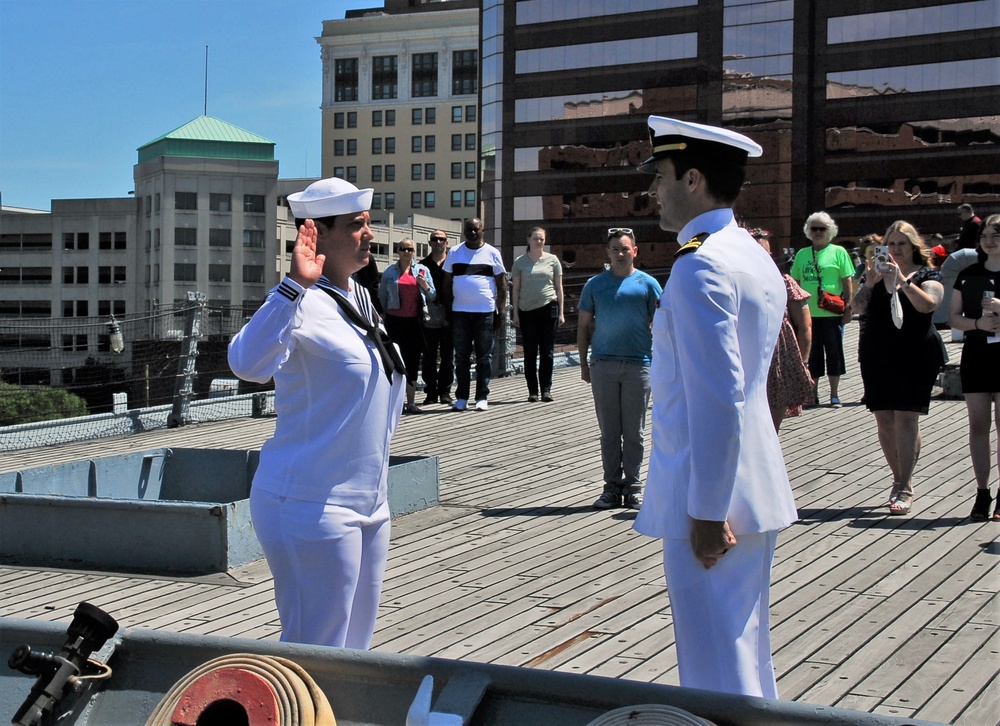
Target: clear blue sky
85	83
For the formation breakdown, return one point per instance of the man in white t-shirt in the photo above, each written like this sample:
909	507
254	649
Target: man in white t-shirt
477	282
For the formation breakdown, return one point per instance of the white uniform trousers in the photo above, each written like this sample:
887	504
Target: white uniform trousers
721	618
328	563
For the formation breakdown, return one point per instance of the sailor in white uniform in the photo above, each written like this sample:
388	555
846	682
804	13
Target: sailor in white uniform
717	490
319	500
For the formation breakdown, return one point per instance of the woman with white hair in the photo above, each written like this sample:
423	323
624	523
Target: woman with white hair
824	266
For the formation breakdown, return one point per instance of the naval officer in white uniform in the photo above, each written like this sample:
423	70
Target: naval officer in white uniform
717	491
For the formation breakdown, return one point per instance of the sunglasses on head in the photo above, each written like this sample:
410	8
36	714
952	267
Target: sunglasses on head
619	230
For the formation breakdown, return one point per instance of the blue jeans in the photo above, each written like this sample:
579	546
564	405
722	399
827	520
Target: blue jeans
468	331
621	396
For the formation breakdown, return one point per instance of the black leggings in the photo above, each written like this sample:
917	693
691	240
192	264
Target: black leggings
828	345
408	334
538	335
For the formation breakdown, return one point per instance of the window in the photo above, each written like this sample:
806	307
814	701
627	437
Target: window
430	115
470	170
417	116
69	241
390	144
78	343
352	147
376	173
456	114
104	241
470	142
345	79
74	275
220	238
219	273
376	118
470	197
253	203
464	72
429	200
338	120
416	144
253	238
384	84
338	171
456	170
429	172
430	143
456	142
456	199
185	272
220	202
376	146
147	204
120	238
156	202
185	200
416	172
390	200
415	198
83	240
352	119
376	200
103	275
352	174
119	273
470	114
425	75
390	118
185	236
390	172
338	147
253	273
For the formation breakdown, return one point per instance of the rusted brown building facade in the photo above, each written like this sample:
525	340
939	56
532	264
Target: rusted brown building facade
870	110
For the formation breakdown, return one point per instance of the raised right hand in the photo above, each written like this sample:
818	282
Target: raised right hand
307	263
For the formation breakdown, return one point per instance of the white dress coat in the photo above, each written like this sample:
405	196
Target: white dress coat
715	453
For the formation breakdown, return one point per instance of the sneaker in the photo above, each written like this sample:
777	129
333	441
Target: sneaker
446	399
459	405
546	397
532	398
482	405
429	400
608	500
632	501
981	509
834	402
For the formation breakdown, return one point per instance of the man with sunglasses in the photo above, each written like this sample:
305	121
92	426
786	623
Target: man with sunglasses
615	311
717	491
438	365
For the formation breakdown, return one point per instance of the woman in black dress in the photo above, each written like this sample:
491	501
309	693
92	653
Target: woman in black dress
900	359
976	311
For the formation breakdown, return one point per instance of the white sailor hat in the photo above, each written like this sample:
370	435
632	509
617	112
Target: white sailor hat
328	198
671	136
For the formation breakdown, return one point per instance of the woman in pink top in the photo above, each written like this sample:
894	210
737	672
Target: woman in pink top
405	288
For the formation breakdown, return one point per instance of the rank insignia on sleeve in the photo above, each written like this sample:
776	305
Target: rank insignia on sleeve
693	244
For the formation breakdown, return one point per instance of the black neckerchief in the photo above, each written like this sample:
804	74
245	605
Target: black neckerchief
391	361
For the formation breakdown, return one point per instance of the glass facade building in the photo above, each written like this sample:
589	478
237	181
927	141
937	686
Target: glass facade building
871	110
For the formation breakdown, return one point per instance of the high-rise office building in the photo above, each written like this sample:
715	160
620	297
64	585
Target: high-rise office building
874	111
400	106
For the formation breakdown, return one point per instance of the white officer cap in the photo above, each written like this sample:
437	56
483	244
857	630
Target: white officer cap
671	136
328	198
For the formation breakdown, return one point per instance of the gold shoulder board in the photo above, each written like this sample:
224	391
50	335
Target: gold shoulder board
693	244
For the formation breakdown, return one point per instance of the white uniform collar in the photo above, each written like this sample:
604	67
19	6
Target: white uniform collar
708	223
